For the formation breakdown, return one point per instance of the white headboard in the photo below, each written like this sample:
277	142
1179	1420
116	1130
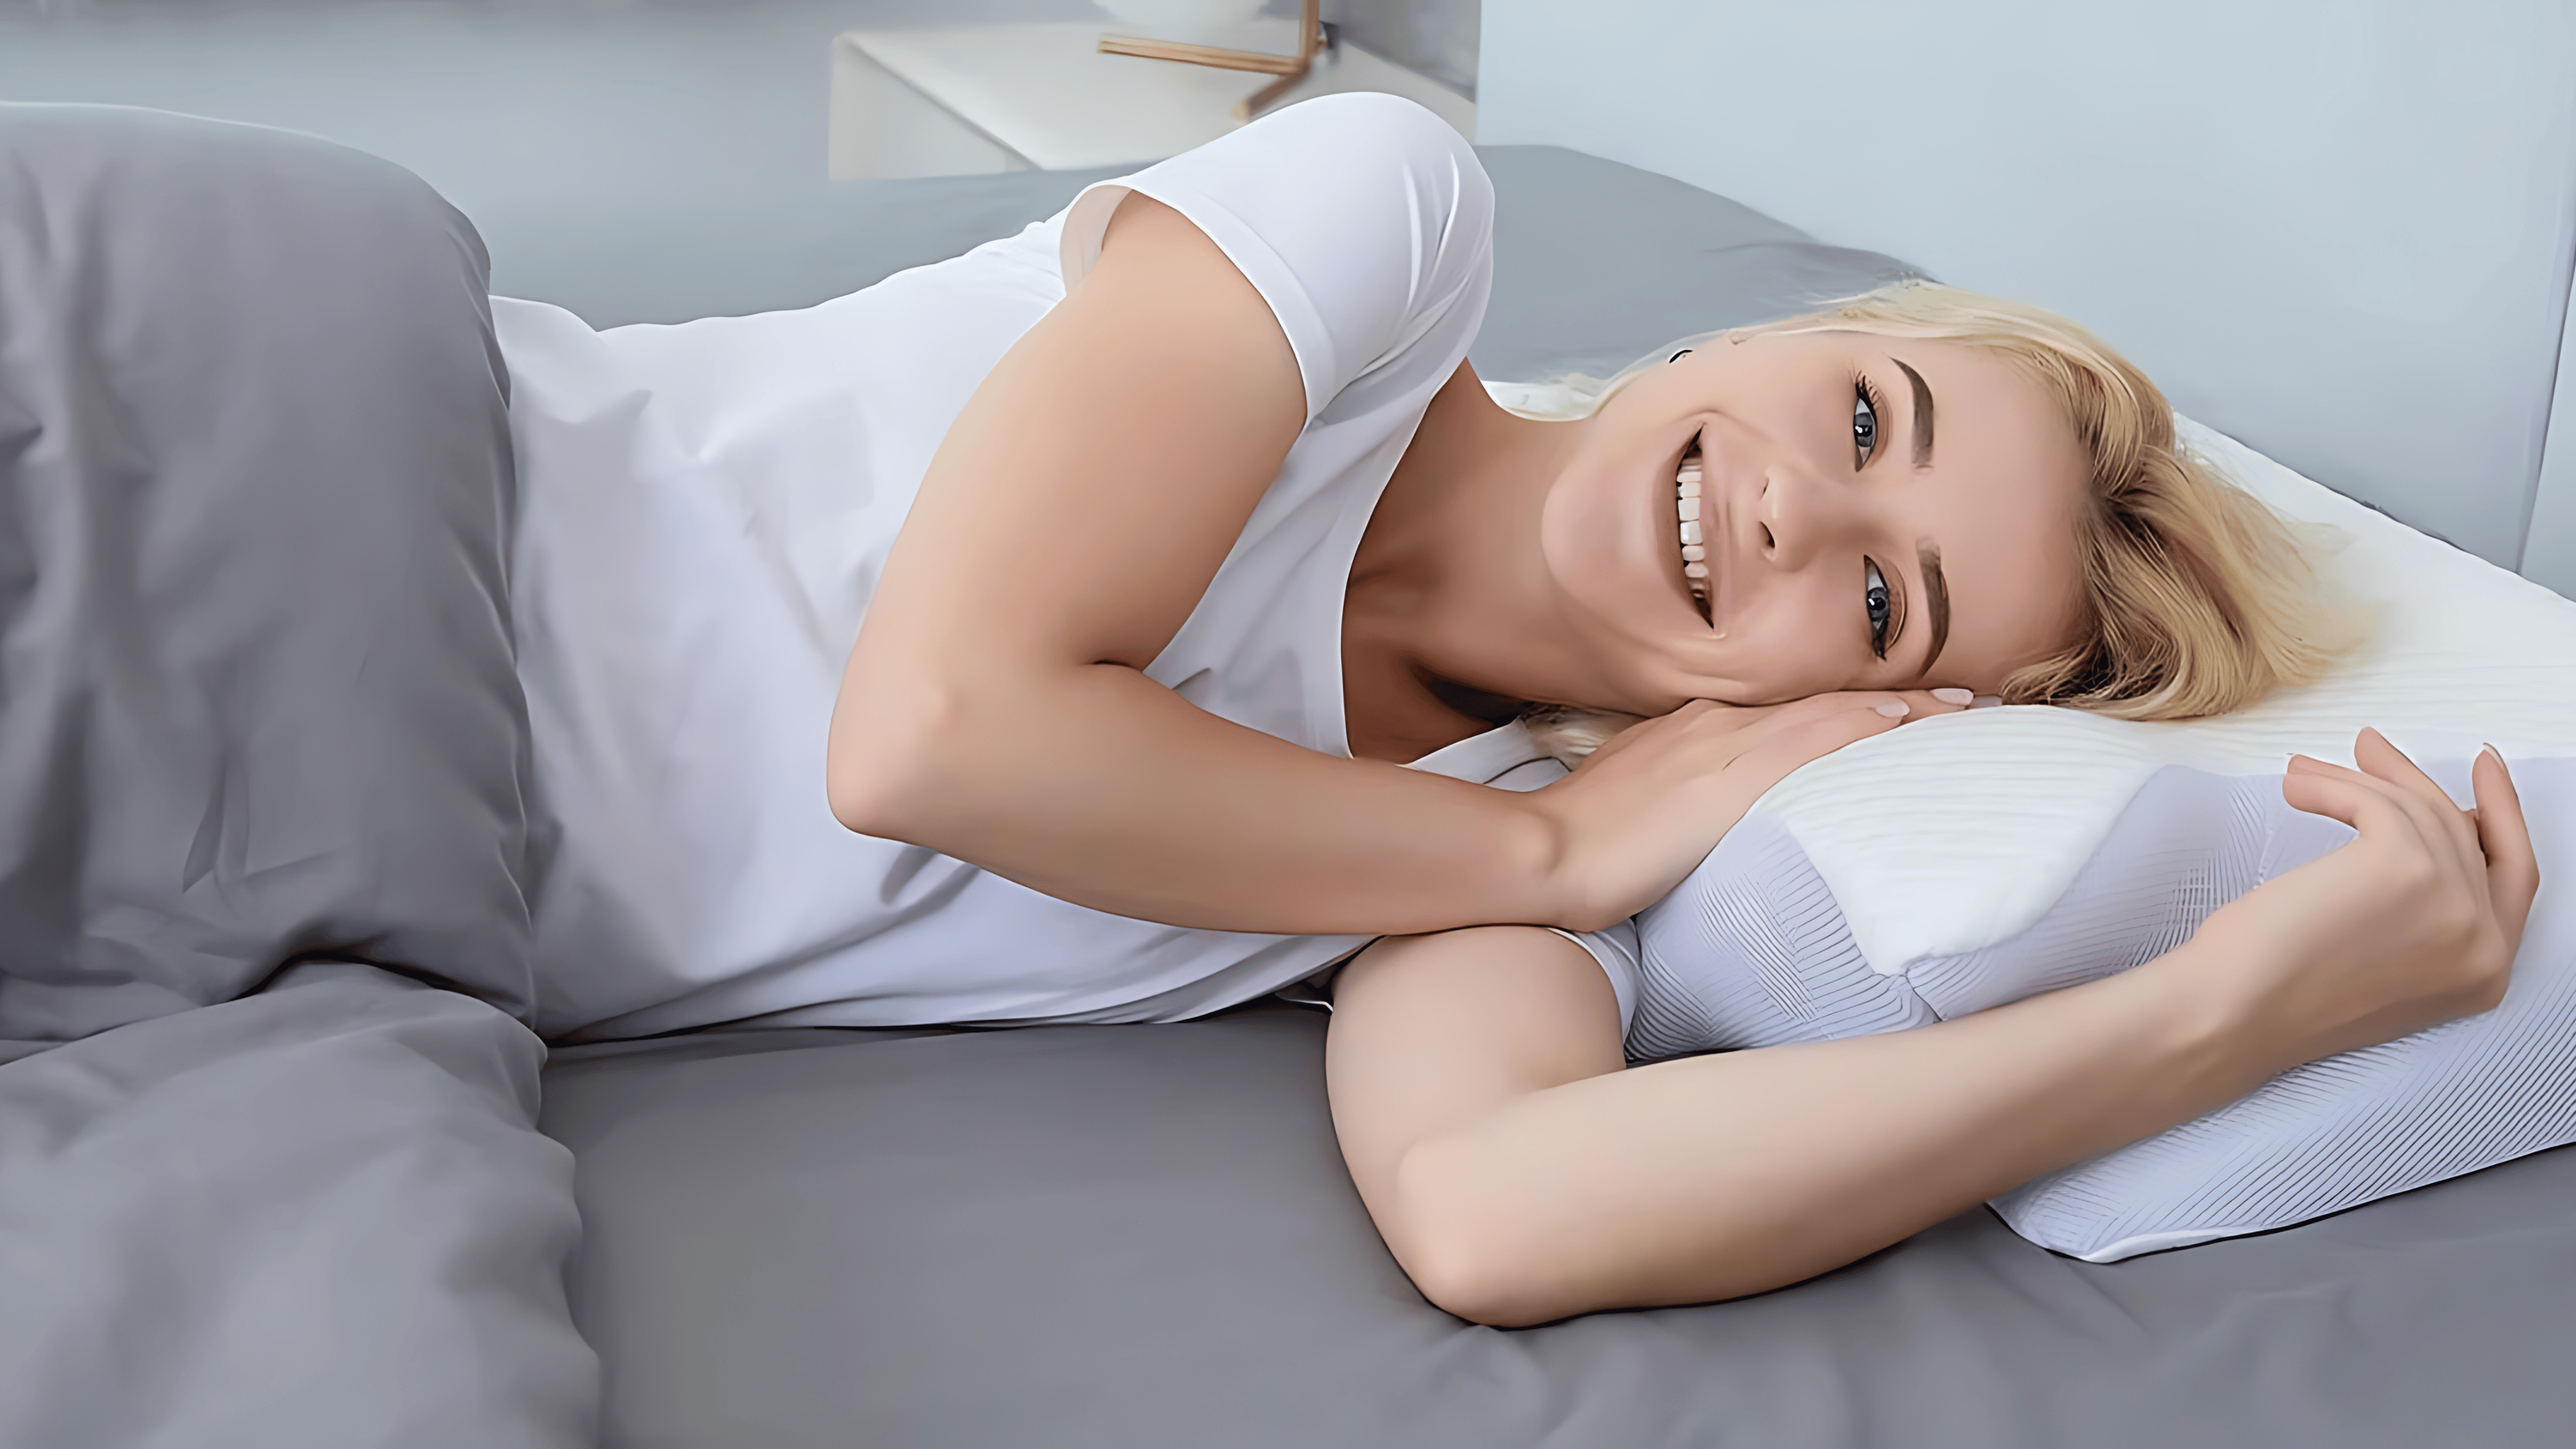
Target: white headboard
2341	232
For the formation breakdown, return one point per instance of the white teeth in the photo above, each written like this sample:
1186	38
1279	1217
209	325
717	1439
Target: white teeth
1686	501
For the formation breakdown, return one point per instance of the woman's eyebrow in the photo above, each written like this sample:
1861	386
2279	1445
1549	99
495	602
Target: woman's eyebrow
1922	420
1936	588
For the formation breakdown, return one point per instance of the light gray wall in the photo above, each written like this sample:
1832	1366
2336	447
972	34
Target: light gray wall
525	111
2549	556
491	102
512	108
2338	231
1435	37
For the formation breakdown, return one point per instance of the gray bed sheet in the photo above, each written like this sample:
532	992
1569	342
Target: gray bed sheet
1143	1236
1587	284
1102	1237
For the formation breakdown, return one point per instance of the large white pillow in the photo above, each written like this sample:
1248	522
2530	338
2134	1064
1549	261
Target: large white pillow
1973	859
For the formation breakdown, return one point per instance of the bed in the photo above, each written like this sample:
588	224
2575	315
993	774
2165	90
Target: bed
349	1205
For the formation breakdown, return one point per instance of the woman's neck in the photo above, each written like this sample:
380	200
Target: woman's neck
1447	614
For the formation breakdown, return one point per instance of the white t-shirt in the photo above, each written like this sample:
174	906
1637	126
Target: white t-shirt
704	513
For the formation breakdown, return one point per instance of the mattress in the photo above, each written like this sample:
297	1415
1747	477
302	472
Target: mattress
1143	1236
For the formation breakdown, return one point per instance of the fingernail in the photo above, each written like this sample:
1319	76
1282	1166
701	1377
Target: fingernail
1955	696
1895	709
1986	701
2499	754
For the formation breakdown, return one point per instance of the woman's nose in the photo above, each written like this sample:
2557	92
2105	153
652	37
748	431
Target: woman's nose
1799	514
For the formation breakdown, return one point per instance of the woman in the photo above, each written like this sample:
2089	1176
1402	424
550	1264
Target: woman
1184	668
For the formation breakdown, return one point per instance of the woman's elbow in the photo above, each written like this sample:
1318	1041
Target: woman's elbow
1490	1248
1469	1254
865	794
886	771
1480	1289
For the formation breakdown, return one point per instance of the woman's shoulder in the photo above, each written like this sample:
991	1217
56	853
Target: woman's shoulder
1360	160
1320	177
1361	124
1363	220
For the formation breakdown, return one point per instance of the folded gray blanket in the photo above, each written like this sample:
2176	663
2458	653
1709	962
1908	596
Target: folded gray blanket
257	707
321	1216
256	694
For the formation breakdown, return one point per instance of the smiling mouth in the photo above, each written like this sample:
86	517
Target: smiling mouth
1686	502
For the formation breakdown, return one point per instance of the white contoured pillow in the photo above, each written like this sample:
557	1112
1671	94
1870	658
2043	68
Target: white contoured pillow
1974	859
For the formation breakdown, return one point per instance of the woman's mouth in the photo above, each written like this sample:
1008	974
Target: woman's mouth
1686	501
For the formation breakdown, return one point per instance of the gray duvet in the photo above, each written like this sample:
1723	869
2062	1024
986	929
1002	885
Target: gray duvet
257	726
314	1218
257	707
256	695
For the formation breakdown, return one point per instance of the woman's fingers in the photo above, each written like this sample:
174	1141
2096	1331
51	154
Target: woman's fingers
1793	734
2371	806
2415	796
1886	702
1739	730
1894	703
2475	843
2372	751
2513	870
1794	743
2473	869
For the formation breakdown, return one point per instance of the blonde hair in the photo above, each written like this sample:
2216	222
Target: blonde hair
2195	597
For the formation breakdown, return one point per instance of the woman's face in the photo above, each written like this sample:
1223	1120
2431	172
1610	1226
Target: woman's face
1874	512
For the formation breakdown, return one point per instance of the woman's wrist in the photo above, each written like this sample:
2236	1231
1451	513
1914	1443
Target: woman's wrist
1568	888
2203	1000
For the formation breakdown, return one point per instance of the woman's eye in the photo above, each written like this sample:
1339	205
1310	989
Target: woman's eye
1864	424
1874	599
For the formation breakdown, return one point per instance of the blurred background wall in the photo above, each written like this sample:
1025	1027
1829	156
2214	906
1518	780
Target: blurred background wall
2340	229
705	110
504	104
488	99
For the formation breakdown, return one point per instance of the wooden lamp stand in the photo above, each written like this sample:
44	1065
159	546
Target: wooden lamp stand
1289	69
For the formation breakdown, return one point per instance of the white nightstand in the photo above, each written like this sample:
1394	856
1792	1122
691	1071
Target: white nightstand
985	98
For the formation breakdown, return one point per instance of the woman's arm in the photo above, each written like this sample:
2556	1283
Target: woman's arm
995	707
1536	1180
1520	1177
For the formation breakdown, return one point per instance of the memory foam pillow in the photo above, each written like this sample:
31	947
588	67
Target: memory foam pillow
1974	859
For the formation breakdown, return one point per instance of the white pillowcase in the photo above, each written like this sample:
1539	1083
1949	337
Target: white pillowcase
1973	859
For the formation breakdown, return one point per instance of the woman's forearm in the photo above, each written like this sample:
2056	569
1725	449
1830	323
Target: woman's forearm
1131	800
995	707
1717	1176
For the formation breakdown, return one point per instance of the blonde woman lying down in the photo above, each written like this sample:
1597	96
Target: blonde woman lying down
1226	590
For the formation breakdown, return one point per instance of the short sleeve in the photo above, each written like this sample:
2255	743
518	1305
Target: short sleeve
1362	219
1508	758
1616	949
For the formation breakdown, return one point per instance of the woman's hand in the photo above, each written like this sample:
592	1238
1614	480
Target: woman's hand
1647	807
2414	923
